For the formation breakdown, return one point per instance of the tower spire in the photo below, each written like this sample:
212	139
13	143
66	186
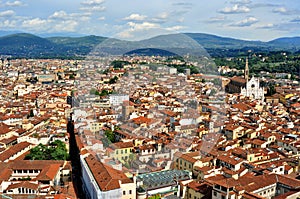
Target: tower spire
246	72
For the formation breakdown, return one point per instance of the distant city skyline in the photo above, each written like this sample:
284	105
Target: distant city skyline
136	19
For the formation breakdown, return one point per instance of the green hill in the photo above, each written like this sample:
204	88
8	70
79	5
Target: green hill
29	45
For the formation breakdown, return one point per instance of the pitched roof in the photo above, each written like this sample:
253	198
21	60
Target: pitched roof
106	177
13	150
24	184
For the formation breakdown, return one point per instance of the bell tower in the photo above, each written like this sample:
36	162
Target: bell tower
246	71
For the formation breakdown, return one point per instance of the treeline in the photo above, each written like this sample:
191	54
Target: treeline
272	62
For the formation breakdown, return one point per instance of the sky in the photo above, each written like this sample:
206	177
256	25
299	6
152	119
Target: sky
139	19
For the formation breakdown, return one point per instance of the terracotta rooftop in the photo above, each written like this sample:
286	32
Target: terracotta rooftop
106	177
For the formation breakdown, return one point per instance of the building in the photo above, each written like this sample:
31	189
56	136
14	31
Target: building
118	99
236	83
163	183
102	181
261	186
253	89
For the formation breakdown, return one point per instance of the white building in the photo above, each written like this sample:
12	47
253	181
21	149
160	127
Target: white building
118	99
253	90
101	181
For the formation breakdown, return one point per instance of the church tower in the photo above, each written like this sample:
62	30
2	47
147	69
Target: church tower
246	72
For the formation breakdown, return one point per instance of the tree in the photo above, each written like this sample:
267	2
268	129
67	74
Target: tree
110	135
113	80
54	151
94	91
271	90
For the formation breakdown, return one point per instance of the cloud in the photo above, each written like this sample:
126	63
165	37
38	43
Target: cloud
7	13
285	11
241	2
175	28
93	6
235	9
92	3
246	22
217	19
8	24
290	27
62	15
135	17
185	5
59	15
101	18
267	26
65	26
50	25
160	18
261	5
295	20
35	24
144	30
142	26
14	3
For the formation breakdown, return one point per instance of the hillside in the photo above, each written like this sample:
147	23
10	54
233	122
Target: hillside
23	44
29	45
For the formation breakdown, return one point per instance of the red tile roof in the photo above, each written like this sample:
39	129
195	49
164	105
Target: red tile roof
106	177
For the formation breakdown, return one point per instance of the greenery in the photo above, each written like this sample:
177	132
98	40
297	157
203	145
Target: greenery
110	135
119	63
157	196
113	80
31	114
104	92
270	62
23	45
109	138
54	151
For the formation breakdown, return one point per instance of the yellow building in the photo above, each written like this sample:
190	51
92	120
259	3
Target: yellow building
122	150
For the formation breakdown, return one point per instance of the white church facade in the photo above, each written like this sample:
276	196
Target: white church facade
252	89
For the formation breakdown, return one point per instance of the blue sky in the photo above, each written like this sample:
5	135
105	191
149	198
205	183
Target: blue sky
139	19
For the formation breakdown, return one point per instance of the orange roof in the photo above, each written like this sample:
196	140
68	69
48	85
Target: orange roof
106	177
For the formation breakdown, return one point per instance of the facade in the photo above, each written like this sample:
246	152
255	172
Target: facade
118	99
253	89
262	186
101	181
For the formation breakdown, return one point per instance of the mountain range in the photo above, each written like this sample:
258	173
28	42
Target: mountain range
33	46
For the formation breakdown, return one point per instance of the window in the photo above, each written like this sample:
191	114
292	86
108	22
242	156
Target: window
215	193
223	188
125	150
124	192
130	191
281	169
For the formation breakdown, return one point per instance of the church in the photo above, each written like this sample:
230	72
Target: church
244	86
